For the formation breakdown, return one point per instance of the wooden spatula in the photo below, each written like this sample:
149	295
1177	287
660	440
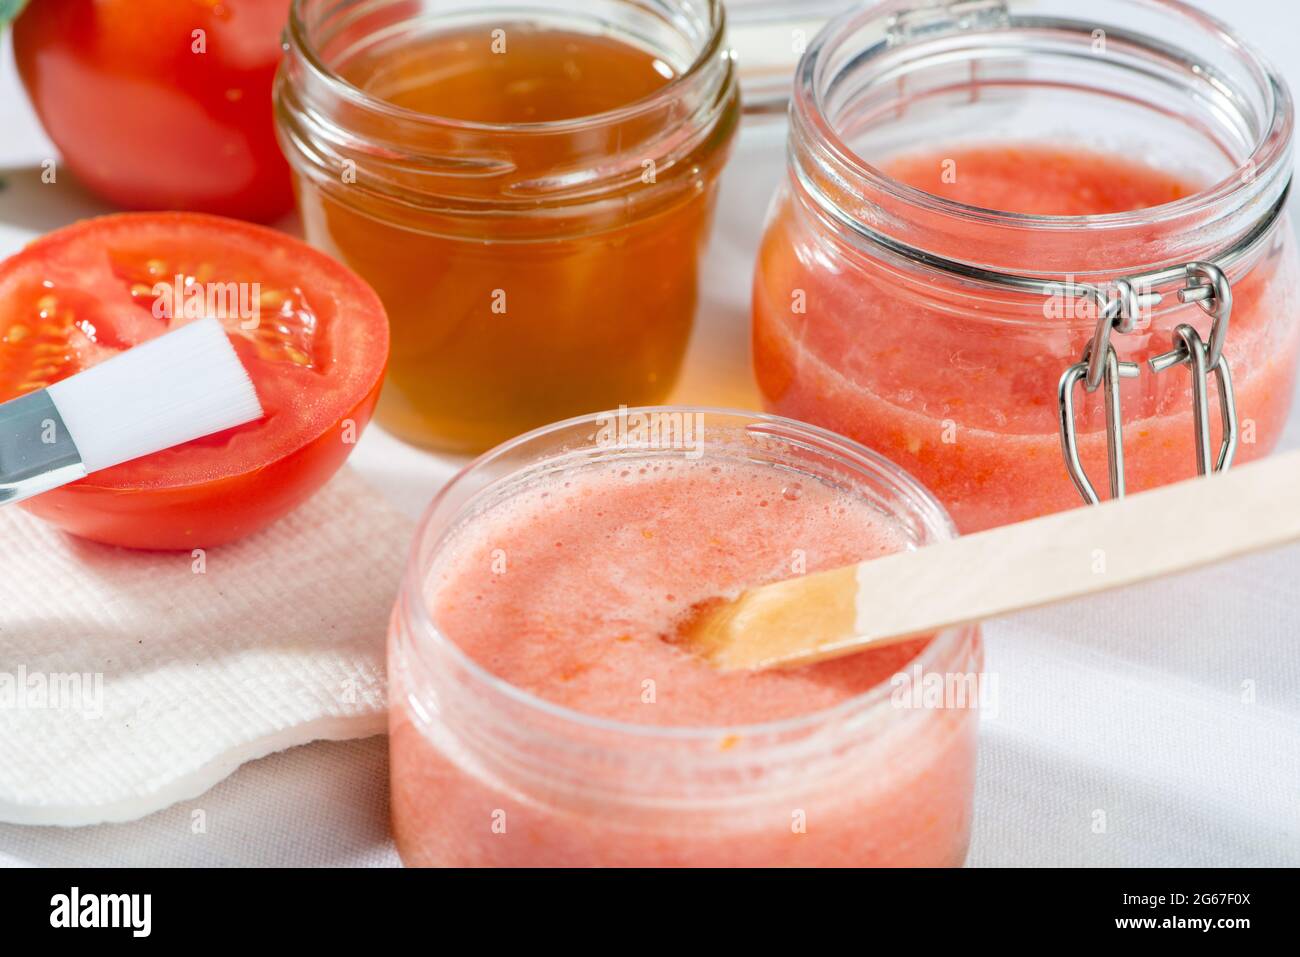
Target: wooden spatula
1067	555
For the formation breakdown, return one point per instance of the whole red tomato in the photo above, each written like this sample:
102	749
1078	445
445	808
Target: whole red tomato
161	104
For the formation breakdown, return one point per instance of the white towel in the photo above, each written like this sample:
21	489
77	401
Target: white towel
132	680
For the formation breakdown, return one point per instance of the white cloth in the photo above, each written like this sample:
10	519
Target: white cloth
130	680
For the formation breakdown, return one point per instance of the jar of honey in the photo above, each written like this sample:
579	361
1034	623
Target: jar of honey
1027	253
528	187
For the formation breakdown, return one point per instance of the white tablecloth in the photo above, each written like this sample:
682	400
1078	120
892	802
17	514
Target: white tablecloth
1158	726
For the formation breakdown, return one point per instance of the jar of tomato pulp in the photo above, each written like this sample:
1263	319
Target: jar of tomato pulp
526	184
982	197
541	714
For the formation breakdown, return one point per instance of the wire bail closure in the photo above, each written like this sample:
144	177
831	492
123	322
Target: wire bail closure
1207	286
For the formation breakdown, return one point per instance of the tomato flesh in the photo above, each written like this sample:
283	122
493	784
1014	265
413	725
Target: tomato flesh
312	336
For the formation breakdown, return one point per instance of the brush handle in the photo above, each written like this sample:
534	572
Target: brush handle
989	574
36	452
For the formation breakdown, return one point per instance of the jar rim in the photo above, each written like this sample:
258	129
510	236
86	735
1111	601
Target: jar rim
297	37
1270	148
931	512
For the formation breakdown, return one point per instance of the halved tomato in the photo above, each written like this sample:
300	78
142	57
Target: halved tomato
312	335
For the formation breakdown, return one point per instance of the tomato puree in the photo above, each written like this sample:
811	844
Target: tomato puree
963	393
599	565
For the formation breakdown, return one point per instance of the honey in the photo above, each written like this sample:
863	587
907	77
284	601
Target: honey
515	73
530	201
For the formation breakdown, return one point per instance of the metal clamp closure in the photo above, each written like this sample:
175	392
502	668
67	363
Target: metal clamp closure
1206	285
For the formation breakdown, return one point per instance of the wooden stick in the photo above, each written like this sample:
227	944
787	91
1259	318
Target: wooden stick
1004	570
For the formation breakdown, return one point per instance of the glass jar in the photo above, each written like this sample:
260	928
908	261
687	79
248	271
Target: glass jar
530	270
486	773
937	331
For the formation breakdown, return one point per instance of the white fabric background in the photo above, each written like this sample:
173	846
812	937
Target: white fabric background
1131	705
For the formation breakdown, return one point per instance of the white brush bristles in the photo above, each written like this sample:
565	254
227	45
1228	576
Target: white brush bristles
181	386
